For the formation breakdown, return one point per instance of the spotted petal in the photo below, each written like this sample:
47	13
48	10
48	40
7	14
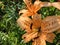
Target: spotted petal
50	24
28	37
40	40
36	21
24	22
56	5
50	37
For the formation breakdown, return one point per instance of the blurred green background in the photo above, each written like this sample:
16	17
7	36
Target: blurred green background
10	33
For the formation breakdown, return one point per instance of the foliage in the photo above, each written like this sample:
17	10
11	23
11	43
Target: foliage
10	33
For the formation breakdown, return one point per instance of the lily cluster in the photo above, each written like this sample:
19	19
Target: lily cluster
37	29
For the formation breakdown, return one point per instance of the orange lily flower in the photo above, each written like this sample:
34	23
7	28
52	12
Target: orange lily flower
38	30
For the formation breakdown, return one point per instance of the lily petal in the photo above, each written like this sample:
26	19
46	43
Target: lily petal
24	22
36	21
50	24
37	5
46	4
29	4
28	37
56	5
50	37
40	40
